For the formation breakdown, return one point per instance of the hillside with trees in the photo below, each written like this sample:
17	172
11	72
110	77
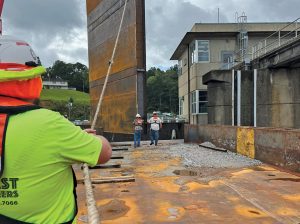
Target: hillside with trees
75	74
162	90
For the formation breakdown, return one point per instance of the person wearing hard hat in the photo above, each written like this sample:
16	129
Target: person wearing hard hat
37	146
155	124
138	127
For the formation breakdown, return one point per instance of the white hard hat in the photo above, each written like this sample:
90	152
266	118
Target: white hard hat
154	112
137	115
13	50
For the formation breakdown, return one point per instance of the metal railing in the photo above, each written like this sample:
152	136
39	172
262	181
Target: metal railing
285	35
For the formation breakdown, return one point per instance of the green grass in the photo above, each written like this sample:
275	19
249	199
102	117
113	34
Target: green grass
64	95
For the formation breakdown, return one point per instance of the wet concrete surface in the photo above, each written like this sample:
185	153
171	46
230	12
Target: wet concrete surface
166	191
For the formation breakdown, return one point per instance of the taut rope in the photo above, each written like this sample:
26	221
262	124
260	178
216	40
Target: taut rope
93	214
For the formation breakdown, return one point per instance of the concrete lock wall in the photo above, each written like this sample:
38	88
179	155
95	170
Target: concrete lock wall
125	92
278	97
275	146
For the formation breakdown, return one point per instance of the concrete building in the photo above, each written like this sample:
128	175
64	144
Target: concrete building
210	47
56	84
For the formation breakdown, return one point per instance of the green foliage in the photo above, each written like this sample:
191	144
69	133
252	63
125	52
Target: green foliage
162	90
59	99
65	95
75	74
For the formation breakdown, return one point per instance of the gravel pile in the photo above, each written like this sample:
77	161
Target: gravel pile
195	156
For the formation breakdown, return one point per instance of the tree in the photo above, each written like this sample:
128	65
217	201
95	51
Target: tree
162	90
75	74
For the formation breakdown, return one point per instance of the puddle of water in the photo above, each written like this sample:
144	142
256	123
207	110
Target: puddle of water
173	213
186	173
288	179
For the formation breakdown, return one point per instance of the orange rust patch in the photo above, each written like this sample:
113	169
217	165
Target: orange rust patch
243	172
147	170
233	199
287	212
194	186
136	154
292	197
164	184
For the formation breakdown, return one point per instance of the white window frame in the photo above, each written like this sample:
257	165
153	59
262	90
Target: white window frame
181	107
195	101
194	51
179	67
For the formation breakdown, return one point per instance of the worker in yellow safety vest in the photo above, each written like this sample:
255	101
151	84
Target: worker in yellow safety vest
37	146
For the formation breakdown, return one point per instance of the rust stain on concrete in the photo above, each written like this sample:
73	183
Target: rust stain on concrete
245	142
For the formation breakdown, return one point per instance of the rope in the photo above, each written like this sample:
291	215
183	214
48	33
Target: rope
93	215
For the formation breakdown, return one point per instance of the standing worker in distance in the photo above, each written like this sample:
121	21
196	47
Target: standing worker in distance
155	124
138	127
37	146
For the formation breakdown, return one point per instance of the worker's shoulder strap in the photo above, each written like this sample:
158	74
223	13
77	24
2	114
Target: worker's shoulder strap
10	106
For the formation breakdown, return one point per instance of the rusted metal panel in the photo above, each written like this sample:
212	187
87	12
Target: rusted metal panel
92	4
125	93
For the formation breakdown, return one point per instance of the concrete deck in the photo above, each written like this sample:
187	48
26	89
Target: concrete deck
249	195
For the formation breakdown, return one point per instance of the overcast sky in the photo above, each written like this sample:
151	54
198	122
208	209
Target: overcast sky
57	28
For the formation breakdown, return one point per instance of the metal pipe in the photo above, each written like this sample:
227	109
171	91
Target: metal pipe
189	87
239	75
232	98
255	95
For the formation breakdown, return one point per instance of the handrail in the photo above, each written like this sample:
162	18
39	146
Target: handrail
263	46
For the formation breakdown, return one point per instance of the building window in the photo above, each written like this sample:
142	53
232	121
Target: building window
192	52
199	51
181	101
227	59
202	101
194	102
179	67
203	50
199	102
